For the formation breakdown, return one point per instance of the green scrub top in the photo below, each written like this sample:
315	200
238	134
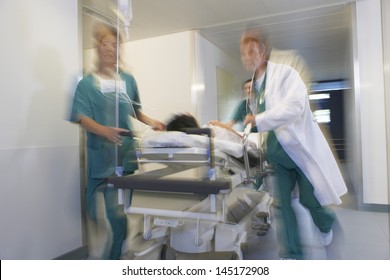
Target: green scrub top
91	102
241	111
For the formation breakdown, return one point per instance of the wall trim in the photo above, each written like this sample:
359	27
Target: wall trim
382	208
80	253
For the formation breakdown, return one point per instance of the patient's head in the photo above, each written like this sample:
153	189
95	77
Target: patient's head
181	122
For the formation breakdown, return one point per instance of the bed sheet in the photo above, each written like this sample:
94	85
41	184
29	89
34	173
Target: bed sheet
174	139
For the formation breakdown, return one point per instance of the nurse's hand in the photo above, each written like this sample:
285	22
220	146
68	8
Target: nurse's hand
113	134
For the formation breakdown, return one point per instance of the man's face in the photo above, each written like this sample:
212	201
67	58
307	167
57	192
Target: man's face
251	56
247	88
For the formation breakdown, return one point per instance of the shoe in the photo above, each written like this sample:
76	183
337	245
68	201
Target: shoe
262	214
326	238
260	225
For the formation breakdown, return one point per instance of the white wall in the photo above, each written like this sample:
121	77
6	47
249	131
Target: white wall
178	73
370	96
39	150
351	112
163	67
207	59
386	52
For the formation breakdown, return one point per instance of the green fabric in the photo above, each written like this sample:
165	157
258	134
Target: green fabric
90	102
115	215
287	227
241	111
274	151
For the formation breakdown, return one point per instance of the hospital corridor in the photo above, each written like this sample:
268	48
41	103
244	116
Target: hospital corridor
137	130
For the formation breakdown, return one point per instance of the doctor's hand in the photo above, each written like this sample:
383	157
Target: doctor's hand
215	122
250	119
157	125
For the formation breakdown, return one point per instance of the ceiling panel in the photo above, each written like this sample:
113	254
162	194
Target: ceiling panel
275	7
303	4
234	10
317	29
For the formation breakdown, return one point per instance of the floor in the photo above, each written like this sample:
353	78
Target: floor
358	235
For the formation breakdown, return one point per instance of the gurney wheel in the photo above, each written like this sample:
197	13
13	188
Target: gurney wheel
236	256
168	253
240	253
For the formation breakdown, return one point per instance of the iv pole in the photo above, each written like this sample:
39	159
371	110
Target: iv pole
123	9
118	168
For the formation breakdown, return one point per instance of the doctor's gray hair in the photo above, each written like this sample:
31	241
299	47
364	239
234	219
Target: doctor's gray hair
258	35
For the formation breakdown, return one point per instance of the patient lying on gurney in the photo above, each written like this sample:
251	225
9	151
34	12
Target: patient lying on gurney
183	122
229	146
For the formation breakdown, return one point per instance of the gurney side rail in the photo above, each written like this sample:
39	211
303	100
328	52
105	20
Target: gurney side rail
216	217
137	182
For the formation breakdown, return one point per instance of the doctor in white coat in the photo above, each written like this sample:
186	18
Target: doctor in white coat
295	145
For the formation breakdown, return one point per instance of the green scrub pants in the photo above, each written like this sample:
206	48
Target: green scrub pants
115	214
287	174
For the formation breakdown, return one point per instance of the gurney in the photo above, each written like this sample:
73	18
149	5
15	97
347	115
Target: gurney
222	199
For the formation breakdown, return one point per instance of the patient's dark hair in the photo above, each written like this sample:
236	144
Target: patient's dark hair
181	122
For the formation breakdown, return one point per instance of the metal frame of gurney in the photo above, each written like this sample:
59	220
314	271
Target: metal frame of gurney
221	222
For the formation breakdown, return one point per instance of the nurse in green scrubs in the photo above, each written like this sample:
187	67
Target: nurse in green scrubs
243	107
102	104
240	112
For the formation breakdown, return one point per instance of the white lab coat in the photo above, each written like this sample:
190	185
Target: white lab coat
288	114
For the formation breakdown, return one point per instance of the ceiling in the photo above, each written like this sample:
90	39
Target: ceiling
317	29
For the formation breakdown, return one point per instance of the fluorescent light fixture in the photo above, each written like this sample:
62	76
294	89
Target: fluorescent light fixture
329	86
319	96
322	116
198	87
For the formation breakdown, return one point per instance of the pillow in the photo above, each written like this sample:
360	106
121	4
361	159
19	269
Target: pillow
174	139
